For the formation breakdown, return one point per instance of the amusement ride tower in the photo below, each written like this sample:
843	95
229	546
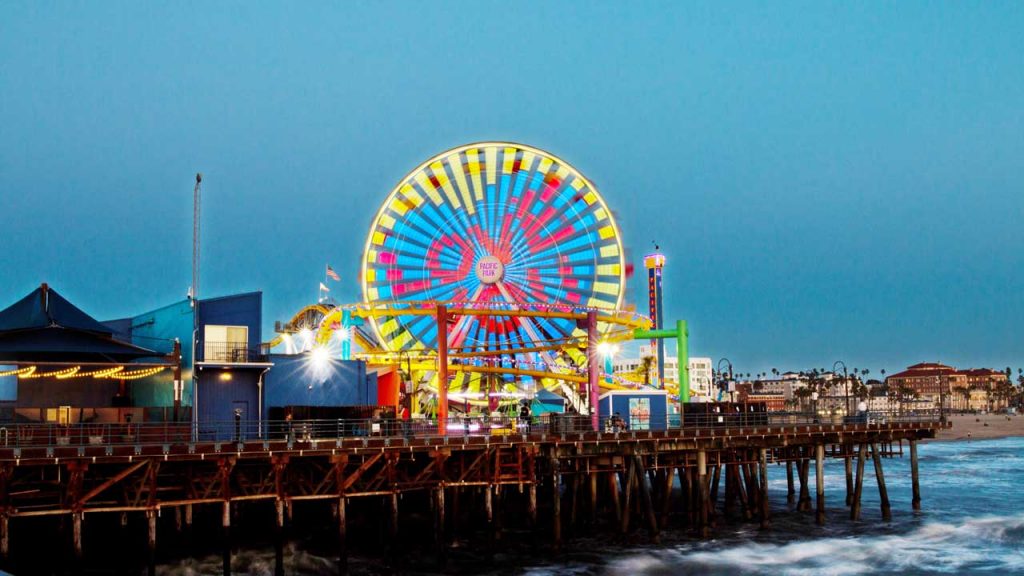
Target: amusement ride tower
655	262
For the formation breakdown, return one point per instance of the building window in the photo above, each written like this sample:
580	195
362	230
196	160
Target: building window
225	343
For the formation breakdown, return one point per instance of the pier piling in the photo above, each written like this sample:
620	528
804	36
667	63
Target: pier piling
859	485
440	546
914	481
765	509
848	465
645	498
279	537
151	543
556	507
702	484
225	523
790	491
803	471
883	494
76	531
819	478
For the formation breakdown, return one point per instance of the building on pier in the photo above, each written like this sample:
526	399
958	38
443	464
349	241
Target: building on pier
191	361
60	365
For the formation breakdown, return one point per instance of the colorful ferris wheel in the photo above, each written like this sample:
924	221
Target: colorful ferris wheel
492	224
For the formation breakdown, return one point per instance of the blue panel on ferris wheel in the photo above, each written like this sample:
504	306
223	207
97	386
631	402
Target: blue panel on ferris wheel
576	243
551	291
578	257
517	189
384	291
506	180
408	261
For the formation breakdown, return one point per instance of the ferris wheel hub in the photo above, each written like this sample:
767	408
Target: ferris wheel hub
489	269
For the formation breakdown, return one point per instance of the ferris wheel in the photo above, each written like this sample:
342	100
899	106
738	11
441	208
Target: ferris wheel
491	224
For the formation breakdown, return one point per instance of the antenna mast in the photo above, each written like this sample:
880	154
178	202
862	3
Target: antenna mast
196	201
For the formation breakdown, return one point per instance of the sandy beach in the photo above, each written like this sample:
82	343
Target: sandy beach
979	426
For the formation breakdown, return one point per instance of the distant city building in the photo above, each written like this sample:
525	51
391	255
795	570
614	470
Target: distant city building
933	382
701	377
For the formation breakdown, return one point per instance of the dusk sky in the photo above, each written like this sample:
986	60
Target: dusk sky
829	181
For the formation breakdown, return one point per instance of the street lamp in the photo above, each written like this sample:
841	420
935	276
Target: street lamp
846	382
721	374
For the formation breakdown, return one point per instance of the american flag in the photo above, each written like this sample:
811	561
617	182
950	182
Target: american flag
332	274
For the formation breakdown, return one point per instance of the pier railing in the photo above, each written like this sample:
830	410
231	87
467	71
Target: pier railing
25	435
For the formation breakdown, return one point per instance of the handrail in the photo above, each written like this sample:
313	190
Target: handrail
39	435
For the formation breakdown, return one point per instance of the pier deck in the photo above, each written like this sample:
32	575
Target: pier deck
581	474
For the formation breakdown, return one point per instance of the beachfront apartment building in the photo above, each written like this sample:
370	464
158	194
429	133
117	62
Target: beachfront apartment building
969	389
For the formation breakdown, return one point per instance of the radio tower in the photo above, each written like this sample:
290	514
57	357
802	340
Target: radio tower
655	262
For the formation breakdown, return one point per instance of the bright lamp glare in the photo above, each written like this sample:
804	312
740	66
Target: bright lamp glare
342	335
320	357
606	348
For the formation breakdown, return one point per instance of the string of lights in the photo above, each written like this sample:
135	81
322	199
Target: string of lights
115	373
19	371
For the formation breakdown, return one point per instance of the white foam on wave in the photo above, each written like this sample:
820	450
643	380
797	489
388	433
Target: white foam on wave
250	562
984	544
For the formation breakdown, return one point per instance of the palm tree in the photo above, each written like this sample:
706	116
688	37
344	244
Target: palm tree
647	364
966	394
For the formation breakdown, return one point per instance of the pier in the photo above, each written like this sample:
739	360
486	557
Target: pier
558	477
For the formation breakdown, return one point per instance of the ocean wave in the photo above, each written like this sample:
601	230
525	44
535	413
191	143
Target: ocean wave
986	544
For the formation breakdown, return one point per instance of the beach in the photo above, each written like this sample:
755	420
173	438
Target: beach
982	426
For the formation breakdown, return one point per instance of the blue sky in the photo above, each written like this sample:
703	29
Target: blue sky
828	180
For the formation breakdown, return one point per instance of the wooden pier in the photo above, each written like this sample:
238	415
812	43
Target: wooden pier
557	483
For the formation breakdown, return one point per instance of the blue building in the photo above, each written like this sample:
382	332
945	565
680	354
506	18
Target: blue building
640	409
230	381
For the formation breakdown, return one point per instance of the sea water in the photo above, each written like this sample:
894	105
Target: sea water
971	522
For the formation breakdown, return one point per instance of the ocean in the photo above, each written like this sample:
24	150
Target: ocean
971	522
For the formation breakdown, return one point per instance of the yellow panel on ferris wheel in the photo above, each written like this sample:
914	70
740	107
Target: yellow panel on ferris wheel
527	160
508	160
606	232
601	214
389	326
428	187
491	158
398	206
437	168
371	275
608	270
473	162
387	222
455	161
606	288
412	196
598	303
378	238
544	165
609	251
401	340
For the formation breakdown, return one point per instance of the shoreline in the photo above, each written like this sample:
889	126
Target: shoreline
967	427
